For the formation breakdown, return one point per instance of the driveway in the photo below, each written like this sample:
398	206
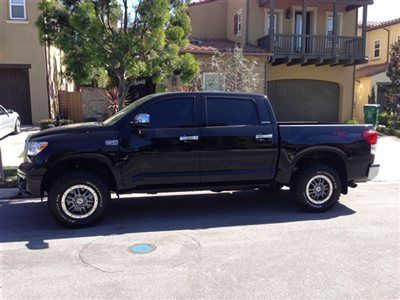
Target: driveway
12	146
388	156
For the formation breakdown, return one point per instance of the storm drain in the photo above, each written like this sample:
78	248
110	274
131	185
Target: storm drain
142	248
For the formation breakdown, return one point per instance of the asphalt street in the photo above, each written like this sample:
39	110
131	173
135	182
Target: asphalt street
233	245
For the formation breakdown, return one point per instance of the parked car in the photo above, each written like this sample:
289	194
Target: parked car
10	122
193	141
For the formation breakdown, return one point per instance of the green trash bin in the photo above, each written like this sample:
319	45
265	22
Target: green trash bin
371	114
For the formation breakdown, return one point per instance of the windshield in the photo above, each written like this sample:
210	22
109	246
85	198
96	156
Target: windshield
123	112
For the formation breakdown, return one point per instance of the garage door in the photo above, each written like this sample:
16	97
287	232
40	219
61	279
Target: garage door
304	100
14	92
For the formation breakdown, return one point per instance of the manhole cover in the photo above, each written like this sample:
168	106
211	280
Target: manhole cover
142	248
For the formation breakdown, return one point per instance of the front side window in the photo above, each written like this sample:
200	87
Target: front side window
17	9
213	82
377	49
2	111
231	112
172	113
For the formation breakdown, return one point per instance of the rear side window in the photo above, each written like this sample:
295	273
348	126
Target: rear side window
231	112
171	113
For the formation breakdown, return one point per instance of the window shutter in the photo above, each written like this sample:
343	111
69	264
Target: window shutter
235	24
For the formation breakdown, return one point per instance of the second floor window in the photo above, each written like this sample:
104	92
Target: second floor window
267	22
329	25
377	49
237	22
17	10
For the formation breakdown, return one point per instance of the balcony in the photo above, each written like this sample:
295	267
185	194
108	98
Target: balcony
320	50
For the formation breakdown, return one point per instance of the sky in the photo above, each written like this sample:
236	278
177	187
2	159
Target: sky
384	10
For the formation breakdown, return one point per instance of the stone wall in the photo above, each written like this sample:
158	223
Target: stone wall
94	104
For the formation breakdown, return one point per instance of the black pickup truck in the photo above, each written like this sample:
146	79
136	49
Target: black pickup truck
193	141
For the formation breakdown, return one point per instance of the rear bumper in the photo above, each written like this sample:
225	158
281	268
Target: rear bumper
373	171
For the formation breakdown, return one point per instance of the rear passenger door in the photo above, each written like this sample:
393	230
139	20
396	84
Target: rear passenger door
238	142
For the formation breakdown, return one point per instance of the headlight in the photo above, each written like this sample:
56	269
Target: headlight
34	148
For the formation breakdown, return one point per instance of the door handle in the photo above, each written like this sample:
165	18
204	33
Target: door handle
186	138
263	137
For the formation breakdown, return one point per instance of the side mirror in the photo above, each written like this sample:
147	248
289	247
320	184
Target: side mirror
10	111
141	120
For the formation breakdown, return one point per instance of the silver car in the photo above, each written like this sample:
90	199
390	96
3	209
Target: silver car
10	122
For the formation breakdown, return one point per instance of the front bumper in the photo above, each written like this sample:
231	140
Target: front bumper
29	179
373	171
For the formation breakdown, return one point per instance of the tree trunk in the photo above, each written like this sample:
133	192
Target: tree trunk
122	90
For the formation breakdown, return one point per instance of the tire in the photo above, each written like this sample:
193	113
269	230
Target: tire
17	126
317	188
78	199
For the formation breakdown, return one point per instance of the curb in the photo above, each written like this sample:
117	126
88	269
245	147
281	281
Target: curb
12	193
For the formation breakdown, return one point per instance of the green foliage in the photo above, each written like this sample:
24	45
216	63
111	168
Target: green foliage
389	119
392	91
46	122
10	177
352	121
372	97
104	39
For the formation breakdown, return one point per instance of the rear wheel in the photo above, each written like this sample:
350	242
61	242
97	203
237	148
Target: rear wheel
317	188
78	199
17	126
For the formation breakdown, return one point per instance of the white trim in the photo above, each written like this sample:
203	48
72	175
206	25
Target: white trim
240	21
10	11
330	14
314	16
279	22
22	22
374	49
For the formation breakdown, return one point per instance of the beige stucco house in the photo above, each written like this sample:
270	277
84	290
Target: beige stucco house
312	44
380	36
29	72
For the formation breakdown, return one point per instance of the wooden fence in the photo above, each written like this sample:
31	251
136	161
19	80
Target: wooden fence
71	105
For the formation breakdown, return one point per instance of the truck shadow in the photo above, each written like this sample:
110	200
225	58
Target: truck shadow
28	220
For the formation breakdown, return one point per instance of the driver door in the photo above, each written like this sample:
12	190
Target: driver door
166	152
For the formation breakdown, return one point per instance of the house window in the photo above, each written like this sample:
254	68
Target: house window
213	82
398	39
17	10
237	22
377	49
267	22
329	25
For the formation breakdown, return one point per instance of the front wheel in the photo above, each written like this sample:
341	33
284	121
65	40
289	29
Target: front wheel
78	199
317	188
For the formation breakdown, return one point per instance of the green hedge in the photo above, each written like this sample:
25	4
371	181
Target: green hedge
44	123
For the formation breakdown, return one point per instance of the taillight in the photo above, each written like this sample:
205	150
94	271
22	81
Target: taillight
371	136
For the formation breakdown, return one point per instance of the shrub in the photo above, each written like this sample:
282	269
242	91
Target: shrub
352	121
44	124
383	119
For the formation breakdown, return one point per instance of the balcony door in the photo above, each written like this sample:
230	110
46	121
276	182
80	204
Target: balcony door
298	30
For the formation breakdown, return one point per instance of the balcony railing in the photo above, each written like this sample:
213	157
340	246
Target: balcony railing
315	45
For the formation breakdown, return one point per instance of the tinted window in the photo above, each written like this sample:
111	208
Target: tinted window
2	111
171	113
230	112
